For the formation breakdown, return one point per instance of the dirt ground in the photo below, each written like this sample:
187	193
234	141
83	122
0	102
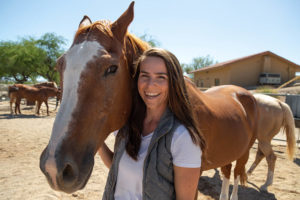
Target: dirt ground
23	138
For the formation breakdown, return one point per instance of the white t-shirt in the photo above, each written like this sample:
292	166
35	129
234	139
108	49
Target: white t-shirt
130	173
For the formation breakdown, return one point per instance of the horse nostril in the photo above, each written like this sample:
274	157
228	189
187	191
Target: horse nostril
69	174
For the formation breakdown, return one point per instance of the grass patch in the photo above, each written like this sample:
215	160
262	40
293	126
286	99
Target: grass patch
266	89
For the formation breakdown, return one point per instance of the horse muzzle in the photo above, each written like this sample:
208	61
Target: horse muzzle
64	172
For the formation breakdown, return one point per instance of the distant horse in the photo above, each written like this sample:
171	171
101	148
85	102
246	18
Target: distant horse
51	84
30	93
274	115
96	77
13	95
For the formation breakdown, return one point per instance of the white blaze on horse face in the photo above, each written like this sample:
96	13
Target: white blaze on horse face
76	62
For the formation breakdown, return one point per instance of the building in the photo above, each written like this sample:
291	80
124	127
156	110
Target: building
246	71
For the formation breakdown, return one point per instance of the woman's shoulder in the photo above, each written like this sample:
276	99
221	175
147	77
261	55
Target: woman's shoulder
181	135
180	130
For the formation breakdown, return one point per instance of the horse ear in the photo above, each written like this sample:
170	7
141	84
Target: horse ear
86	21
119	27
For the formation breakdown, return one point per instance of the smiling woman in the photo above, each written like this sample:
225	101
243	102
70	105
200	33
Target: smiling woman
160	142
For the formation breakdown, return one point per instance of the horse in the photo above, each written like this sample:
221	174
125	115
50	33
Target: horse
30	93
13	95
51	84
275	115
98	69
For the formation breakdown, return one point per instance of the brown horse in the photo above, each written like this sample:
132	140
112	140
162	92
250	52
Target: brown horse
51	84
96	77
12	93
274	115
32	94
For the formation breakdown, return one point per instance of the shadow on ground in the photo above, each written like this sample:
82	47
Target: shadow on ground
297	161
211	186
21	116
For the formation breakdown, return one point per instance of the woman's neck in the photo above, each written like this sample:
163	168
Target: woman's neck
151	120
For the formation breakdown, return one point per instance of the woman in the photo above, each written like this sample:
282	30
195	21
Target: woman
157	154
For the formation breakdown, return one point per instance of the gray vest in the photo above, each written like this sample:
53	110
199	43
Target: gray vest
158	173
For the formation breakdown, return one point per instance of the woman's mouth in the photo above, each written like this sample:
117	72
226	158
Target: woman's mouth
151	94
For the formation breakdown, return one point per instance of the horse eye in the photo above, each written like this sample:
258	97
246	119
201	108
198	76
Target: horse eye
111	70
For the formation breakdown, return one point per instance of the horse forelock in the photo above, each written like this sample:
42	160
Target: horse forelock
133	46
103	27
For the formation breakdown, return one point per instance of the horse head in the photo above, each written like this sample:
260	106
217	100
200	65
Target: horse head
96	87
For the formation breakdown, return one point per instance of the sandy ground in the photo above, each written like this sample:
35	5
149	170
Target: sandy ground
24	137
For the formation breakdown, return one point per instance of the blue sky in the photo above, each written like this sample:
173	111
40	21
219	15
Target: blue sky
224	29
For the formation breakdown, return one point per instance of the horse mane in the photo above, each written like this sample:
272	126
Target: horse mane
134	48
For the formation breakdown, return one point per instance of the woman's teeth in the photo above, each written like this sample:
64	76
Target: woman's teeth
152	94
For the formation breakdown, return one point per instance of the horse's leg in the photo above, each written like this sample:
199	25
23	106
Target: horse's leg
226	170
46	102
57	101
271	159
10	104
18	105
259	156
38	106
239	175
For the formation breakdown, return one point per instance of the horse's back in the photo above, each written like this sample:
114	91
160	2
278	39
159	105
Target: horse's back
227	117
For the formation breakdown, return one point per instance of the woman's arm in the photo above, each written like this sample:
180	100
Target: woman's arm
106	155
186	182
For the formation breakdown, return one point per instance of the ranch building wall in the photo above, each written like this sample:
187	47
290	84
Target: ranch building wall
245	71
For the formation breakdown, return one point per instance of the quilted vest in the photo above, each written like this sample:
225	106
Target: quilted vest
158	173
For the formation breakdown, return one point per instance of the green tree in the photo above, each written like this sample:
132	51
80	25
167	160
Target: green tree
186	68
150	40
51	44
201	62
198	63
27	59
19	60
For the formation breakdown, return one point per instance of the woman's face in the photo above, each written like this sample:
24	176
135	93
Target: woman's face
153	84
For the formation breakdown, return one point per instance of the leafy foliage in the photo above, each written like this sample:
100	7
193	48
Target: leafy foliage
148	38
19	60
26	59
51	45
198	63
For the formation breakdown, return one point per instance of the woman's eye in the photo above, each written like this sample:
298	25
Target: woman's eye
143	75
111	70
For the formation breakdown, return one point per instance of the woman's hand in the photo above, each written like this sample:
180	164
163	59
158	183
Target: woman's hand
106	155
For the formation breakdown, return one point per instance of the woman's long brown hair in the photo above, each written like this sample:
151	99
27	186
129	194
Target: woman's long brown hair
178	103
